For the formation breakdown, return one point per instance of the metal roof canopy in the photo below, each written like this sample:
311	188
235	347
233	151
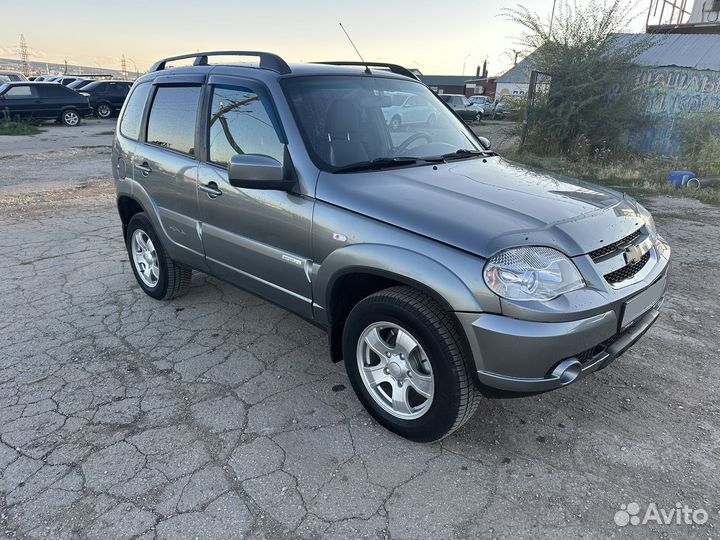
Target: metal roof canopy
696	51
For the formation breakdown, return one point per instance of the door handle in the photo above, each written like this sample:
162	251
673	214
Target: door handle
211	189
144	168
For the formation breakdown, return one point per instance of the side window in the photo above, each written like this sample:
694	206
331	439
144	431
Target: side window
101	88
172	118
132	117
241	124
19	92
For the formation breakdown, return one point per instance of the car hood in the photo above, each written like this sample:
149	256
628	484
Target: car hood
485	205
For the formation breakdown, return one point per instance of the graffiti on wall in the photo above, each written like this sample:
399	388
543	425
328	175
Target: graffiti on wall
667	95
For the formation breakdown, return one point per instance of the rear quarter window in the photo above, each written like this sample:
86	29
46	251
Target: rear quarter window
131	120
21	91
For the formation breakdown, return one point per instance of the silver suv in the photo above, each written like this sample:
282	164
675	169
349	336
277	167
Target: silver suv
440	270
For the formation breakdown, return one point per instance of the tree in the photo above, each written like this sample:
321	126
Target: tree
586	107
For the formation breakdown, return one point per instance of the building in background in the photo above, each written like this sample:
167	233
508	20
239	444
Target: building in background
484	86
677	75
516	80
445	84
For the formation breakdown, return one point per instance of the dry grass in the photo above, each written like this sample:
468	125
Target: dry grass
639	175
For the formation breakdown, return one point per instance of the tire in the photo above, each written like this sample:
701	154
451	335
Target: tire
479	117
104	110
437	355
395	123
70	117
163	278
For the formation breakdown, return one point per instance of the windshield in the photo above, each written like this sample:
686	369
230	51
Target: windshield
349	120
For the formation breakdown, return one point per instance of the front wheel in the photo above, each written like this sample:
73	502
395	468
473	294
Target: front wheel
104	110
404	359
70	117
158	275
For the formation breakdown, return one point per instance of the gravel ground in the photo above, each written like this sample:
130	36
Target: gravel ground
218	415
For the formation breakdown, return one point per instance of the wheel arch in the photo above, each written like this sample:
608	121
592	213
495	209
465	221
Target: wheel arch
353	273
127	207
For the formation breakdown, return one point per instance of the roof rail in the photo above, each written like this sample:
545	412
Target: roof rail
267	60
394	68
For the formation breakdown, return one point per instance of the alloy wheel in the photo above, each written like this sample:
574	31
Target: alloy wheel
71	118
145	258
395	370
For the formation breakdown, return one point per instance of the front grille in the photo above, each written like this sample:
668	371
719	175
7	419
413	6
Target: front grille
601	252
628	271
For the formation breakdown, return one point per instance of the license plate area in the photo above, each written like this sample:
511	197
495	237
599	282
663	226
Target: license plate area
640	304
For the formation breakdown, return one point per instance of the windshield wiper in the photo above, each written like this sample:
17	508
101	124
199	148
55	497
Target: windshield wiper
458	154
377	164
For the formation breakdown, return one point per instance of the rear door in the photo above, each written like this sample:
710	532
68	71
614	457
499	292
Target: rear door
258	239
166	167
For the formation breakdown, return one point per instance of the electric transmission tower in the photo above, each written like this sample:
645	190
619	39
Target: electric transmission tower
123	66
24	56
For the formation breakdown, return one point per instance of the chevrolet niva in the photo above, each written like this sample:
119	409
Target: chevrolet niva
441	271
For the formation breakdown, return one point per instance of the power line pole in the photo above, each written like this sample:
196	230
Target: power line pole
517	53
552	19
24	56
123	66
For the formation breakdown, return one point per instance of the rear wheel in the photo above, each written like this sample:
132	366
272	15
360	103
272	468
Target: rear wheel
104	110
157	274
70	117
404	359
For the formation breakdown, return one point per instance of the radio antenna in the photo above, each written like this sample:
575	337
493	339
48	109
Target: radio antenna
367	69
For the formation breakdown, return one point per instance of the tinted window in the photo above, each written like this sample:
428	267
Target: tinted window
240	123
56	91
22	91
132	117
172	118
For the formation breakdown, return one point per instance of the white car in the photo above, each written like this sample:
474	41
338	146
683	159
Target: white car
12	75
484	102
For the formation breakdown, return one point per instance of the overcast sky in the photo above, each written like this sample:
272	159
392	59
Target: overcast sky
434	36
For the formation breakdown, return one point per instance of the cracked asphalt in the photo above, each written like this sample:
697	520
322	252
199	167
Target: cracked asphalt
220	416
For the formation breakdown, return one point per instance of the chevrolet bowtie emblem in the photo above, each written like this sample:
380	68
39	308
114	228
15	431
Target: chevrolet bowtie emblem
633	254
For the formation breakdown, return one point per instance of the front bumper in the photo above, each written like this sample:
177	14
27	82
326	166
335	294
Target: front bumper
520	356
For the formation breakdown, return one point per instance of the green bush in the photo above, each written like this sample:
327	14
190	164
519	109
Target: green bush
699	135
8	126
585	109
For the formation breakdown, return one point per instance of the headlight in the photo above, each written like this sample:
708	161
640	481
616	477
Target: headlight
531	273
649	221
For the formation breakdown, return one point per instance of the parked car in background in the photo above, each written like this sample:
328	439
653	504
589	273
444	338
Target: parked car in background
13	75
509	106
484	102
462	106
412	109
66	80
80	83
43	101
106	97
4	79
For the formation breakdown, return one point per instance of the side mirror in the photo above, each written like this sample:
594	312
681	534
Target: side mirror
485	142
260	172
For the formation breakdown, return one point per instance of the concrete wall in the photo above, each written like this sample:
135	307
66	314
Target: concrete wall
667	94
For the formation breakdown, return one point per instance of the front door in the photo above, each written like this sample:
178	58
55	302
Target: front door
258	239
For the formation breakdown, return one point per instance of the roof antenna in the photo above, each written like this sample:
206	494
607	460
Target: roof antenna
367	69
